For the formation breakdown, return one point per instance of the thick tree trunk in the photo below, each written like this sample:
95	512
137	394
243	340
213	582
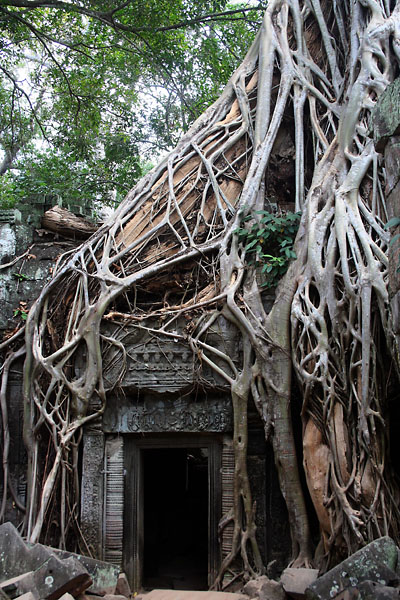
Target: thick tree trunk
62	221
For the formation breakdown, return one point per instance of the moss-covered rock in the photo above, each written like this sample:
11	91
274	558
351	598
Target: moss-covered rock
375	562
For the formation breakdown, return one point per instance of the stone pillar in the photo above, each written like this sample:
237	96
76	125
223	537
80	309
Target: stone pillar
93	490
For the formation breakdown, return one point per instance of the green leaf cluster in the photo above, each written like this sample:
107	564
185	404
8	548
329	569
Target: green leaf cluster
102	87
268	241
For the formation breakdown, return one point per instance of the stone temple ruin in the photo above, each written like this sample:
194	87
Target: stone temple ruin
157	468
140	428
157	471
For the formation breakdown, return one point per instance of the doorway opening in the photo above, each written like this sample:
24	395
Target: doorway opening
175	512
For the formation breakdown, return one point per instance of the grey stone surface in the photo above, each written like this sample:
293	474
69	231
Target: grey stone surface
57	577
24	280
19	585
167	365
375	562
14	553
385	121
370	590
104	576
295	581
51	576
92	492
264	588
123	588
127	415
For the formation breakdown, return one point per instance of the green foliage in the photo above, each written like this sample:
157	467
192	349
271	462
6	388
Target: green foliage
58	173
268	241
99	88
21	312
20	277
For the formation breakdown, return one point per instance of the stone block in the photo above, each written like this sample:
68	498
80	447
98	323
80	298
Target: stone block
264	588
19	585
104	575
371	590
123	588
57	577
50	575
296	581
375	562
28	596
392	164
395	307
192	595
385	121
14	554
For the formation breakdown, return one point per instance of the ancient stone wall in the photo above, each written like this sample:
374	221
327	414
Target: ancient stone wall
385	128
27	257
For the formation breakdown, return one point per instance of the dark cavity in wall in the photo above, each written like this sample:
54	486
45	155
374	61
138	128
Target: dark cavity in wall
175	518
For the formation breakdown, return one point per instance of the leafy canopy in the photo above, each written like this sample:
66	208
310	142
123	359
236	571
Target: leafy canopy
90	91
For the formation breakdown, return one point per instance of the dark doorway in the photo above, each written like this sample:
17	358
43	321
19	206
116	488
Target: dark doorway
175	510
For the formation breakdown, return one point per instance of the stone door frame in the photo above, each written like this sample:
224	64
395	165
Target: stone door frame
134	445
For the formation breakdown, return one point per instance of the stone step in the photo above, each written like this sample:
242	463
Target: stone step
192	595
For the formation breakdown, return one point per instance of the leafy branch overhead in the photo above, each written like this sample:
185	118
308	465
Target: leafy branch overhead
75	78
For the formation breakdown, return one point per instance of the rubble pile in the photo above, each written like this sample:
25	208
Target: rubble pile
372	573
36	572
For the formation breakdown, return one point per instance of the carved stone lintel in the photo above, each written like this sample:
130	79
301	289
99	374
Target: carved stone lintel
160	415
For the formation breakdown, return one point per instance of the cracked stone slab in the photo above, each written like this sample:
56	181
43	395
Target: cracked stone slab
375	562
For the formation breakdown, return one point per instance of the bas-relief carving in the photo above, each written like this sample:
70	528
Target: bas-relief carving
92	491
213	415
165	364
168	369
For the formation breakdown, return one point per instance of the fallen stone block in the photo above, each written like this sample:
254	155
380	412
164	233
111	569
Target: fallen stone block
296	581
50	581
66	597
104	575
19	585
375	562
123	588
14	554
264	588
28	596
371	590
57	577
351	593
18	557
